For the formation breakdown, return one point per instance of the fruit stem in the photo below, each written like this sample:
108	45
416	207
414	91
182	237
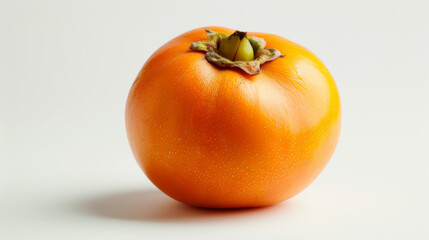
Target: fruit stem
237	47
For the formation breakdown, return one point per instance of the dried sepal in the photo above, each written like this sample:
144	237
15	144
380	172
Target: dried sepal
252	67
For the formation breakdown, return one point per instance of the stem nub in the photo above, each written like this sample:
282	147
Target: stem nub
236	47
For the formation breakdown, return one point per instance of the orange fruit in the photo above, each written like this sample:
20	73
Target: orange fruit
221	138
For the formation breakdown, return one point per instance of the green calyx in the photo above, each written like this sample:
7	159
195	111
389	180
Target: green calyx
236	50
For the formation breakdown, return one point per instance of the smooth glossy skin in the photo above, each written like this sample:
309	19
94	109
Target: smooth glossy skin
219	138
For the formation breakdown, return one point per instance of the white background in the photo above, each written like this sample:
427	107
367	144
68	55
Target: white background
66	170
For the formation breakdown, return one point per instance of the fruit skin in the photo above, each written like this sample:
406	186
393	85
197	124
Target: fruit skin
219	138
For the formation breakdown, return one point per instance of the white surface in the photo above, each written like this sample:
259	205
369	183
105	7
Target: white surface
66	171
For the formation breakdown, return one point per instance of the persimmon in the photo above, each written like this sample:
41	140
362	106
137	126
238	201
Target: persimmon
215	132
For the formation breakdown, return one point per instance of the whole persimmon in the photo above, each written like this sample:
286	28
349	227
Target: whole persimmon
215	123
